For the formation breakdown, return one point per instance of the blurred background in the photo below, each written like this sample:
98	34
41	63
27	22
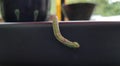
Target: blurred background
106	10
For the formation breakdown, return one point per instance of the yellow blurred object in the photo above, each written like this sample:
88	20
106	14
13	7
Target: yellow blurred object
1	20
58	9
65	1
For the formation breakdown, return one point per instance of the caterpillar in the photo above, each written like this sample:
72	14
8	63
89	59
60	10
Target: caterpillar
59	36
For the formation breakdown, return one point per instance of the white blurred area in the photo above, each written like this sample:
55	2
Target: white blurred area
108	18
112	1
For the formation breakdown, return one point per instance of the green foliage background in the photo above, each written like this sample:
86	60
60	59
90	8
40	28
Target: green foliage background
102	7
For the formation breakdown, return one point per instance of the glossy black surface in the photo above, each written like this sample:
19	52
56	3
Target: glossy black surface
79	11
27	8
34	43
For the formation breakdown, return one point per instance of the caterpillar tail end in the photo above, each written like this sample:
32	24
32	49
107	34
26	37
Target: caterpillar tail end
75	45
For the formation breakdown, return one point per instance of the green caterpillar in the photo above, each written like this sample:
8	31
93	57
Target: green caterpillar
59	36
